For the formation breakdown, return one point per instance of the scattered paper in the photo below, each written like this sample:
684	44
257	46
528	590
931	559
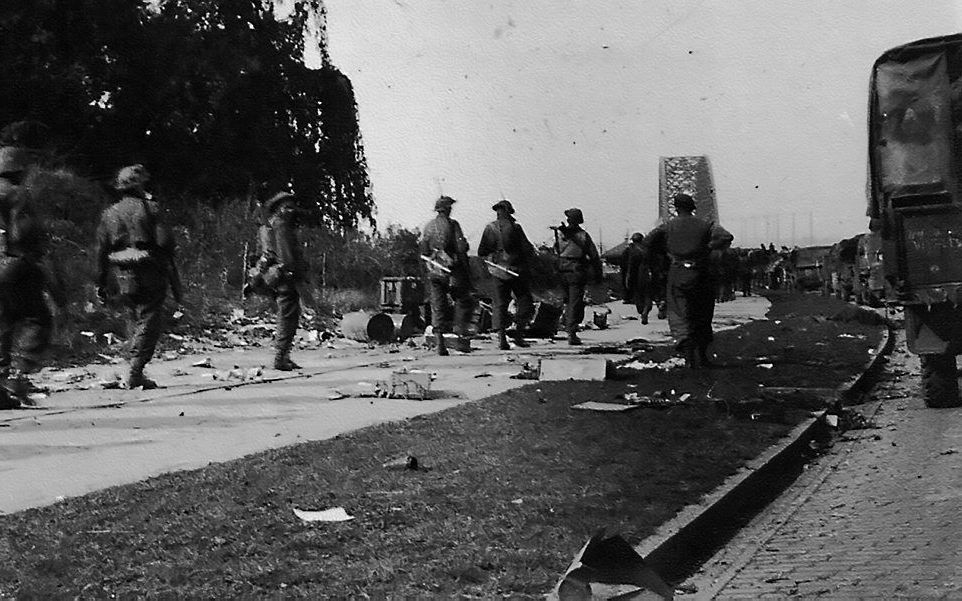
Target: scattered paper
334	514
597	406
203	363
336	395
765	365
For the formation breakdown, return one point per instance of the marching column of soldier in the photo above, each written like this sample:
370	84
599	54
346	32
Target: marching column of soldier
669	269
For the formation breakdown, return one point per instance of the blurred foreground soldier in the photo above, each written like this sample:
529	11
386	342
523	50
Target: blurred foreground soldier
507	251
444	252
638	276
136	248
25	318
579	263
283	267
688	241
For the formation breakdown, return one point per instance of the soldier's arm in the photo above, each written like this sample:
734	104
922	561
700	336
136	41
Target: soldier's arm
461	243
720	237
488	243
594	259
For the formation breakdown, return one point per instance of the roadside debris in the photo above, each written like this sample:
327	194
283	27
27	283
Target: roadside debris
609	560
405	383
406	462
203	363
334	514
528	372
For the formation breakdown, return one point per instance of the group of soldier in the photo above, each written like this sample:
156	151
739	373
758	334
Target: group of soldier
670	268
137	267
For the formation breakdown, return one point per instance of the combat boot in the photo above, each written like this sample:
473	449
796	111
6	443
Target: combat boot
283	362
573	339
11	392
137	379
439	342
518	338
464	344
703	359
503	341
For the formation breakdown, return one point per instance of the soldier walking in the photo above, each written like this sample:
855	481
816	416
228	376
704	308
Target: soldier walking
638	276
507	251
25	318
578	263
136	264
688	240
444	251
284	268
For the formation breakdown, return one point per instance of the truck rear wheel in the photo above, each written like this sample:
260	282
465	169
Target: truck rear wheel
940	385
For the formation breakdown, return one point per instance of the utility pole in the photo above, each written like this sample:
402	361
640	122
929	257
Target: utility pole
794	243
811	229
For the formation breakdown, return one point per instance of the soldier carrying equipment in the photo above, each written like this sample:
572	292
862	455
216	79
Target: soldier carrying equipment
136	265
507	251
578	262
449	278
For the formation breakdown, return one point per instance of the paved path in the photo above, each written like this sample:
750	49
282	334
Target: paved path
85	440
876	518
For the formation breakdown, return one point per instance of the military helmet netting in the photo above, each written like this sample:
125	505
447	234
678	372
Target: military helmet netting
13	160
443	202
132	177
503	204
274	202
684	201
575	215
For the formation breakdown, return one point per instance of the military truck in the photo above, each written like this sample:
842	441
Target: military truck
915	199
869	283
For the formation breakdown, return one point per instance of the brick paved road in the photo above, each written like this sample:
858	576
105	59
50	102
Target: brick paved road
878	517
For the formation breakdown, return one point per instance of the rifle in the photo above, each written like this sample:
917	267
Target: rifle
503	268
436	264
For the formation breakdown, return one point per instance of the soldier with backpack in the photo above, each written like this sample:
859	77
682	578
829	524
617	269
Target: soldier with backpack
578	263
281	268
507	251
26	323
444	251
136	265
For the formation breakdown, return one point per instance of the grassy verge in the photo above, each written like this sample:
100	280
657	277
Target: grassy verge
512	487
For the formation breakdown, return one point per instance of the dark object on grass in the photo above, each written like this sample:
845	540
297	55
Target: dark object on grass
528	372
608	560
859	315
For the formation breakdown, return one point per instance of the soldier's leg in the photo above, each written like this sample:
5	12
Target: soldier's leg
463	311
525	309
499	310
288	317
149	316
438	296
575	310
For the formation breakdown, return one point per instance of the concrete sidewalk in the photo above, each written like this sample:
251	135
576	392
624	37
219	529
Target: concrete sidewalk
875	518
86	440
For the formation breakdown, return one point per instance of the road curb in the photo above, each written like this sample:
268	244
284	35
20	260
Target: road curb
683	536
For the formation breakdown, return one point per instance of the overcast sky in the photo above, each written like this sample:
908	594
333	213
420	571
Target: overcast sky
558	103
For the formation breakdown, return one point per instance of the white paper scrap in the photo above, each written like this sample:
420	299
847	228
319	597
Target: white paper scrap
334	514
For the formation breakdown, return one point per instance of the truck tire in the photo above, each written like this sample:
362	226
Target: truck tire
940	385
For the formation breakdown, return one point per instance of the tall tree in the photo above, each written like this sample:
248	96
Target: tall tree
212	95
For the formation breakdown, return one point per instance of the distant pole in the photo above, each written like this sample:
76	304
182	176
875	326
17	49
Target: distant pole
811	229
794	242
778	230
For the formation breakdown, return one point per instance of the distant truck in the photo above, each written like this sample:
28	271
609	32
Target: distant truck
809	268
869	282
915	199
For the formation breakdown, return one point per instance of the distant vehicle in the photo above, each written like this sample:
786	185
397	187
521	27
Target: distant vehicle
809	268
915	199
841	268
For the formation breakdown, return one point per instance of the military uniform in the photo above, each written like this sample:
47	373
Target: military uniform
135	259
504	243
638	276
688	241
281	249
578	261
25	318
449	276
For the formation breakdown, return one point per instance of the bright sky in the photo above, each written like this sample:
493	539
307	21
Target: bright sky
561	103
